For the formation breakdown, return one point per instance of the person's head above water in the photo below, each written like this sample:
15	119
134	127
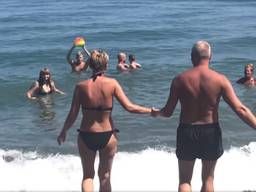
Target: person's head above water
201	50
44	76
98	61
121	57
79	56
131	58
248	70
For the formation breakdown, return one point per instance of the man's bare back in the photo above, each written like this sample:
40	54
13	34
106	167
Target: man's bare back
199	91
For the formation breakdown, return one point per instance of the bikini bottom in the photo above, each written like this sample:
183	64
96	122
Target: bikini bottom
96	140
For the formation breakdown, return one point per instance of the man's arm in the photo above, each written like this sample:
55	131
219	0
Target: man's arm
172	101
238	107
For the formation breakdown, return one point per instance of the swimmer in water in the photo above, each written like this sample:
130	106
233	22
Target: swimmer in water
43	86
248	78
78	64
122	66
133	63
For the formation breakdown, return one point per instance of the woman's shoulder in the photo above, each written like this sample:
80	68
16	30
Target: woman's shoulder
110	80
83	83
35	84
104	80
52	82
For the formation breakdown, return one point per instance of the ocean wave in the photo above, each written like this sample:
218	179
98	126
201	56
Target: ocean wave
147	170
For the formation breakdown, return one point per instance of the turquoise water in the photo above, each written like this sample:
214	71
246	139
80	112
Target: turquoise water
37	34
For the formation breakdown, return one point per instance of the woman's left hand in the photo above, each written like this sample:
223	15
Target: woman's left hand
62	137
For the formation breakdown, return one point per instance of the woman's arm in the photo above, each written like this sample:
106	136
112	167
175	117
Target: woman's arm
32	91
55	88
70	61
126	103
138	65
59	91
72	115
86	65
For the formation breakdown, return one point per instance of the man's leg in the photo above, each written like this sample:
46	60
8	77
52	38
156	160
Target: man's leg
185	175
208	168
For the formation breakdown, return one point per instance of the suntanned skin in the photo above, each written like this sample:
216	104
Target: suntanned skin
199	90
92	93
100	92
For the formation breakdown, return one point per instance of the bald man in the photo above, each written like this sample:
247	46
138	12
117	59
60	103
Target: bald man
199	90
122	66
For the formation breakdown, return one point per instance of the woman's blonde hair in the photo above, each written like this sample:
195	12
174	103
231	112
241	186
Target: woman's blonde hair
98	60
249	65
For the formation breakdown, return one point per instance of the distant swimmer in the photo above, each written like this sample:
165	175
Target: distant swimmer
133	63
248	78
122	66
78	64
97	132
199	91
43	86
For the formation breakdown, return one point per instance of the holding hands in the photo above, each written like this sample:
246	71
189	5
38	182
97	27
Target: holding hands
154	112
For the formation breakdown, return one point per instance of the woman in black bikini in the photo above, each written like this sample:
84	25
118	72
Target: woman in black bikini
97	133
43	86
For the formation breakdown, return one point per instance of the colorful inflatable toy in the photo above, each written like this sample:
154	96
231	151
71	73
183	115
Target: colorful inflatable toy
79	42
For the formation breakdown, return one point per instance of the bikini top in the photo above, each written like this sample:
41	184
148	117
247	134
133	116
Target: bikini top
42	92
99	108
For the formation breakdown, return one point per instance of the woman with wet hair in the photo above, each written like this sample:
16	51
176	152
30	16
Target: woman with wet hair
43	86
97	131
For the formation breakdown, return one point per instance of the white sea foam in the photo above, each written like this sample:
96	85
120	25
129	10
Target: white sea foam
148	170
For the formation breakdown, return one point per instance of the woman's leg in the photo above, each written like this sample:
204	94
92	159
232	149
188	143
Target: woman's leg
106	159
87	160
